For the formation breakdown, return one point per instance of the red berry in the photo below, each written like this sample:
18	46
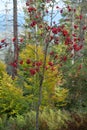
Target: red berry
14	39
32	71
84	27
61	11
21	62
28	61
33	23
3	40
52	53
50	63
75	26
39	63
21	40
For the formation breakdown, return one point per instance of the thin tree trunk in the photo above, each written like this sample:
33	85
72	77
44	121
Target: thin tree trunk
15	33
39	103
72	25
40	89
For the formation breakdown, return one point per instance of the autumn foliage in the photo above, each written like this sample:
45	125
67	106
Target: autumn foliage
51	68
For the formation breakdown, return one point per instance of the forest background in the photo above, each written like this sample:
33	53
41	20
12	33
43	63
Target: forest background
43	79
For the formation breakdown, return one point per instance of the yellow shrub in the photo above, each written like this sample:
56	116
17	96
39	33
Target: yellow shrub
11	98
52	77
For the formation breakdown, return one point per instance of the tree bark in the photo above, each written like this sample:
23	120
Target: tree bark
40	88
39	103
15	34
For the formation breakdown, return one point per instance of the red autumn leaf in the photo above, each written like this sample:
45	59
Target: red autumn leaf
75	39
27	4
55	57
48	28
74	10
52	53
81	46
14	64
3	40
70	48
30	9
36	16
0	46
65	32
21	40
84	27
51	37
47	11
54	22
61	11
64	58
68	40
21	62
32	71
37	69
77	47
28	61
80	17
59	28
56	42
75	26
74	35
34	63
55	30
50	63
14	39
41	26
48	1
39	63
33	23
79	39
6	44
69	8
57	7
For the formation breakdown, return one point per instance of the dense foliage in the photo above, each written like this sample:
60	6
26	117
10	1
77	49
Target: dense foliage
12	101
50	87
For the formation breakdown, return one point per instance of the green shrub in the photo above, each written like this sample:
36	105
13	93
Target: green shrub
20	122
49	120
30	120
53	119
